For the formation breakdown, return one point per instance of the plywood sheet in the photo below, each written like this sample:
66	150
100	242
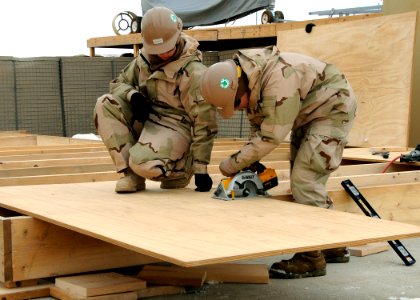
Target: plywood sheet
189	228
376	54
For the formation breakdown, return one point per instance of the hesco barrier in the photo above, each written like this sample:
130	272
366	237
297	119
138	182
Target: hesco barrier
56	95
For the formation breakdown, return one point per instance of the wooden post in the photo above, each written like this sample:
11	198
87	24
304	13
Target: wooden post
136	48
92	52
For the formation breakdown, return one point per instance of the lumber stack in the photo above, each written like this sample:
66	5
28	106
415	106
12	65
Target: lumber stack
151	280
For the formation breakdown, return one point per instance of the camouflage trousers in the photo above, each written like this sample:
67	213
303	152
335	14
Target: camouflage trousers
157	150
316	151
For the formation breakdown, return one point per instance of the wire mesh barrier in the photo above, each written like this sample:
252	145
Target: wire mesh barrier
7	94
38	94
56	95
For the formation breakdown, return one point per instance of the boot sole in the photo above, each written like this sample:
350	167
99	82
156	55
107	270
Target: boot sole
172	187
339	260
129	190
281	275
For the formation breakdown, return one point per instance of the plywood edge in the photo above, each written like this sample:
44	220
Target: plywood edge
6	261
28	292
40	249
184	254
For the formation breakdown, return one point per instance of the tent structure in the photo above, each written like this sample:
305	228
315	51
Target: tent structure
209	12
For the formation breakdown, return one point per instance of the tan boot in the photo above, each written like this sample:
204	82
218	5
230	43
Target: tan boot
177	182
337	255
130	183
301	265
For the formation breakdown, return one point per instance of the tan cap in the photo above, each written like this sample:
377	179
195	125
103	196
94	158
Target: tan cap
160	29
218	86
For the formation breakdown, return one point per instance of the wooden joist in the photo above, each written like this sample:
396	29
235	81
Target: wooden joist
19	150
93	164
21	139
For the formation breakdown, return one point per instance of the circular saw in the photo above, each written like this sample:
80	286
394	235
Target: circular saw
249	183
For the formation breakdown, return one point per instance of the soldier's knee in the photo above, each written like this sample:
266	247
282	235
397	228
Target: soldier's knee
152	170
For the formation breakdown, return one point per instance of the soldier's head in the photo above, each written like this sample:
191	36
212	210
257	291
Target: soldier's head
223	85
160	29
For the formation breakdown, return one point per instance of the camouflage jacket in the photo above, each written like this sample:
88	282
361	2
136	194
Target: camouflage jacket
173	91
287	91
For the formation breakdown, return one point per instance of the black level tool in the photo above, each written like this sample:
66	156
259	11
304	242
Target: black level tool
364	205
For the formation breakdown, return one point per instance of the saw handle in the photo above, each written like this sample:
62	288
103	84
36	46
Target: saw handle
256	167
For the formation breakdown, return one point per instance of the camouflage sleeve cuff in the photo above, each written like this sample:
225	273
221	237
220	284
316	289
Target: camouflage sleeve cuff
130	93
199	168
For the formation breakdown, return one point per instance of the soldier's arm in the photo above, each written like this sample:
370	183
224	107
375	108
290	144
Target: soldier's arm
202	114
126	83
279	116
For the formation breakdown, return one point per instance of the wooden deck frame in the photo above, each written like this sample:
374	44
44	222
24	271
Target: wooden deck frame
366	173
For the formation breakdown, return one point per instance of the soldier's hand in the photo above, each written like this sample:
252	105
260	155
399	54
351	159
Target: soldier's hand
203	182
257	167
140	107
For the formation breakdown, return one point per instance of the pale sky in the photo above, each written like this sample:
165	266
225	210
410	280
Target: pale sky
34	28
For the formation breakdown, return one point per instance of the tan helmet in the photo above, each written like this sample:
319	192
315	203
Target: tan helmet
218	86
160	29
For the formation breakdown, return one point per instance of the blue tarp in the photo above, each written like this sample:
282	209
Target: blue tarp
209	12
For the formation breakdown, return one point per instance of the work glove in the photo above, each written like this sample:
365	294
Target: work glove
140	107
257	167
226	168
203	182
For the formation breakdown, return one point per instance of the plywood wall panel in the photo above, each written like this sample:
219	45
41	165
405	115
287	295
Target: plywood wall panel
376	55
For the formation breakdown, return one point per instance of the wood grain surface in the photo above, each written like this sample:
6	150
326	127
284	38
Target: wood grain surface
376	54
188	228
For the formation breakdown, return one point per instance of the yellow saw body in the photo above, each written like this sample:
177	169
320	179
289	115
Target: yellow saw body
246	184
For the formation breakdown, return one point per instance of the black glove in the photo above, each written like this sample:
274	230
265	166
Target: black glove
257	167
203	182
140	107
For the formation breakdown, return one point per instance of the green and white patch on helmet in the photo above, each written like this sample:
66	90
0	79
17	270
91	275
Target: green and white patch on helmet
224	83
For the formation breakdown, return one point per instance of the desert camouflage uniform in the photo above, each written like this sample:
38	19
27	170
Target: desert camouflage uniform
178	138
313	100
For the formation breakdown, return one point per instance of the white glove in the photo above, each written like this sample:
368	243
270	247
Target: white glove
226	168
